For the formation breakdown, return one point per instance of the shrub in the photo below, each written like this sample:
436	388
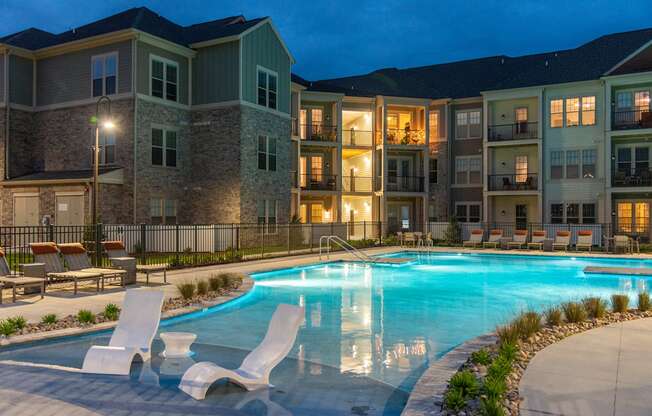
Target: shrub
619	303
233	280
500	368
465	382
494	388
574	311
7	328
508	351
453	232
112	312
18	322
553	316
527	324
186	289
644	301
85	316
507	334
49	319
454	400
595	307
202	287
481	357
491	408
215	283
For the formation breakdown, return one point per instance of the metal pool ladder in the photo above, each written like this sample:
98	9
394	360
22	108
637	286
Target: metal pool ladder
325	242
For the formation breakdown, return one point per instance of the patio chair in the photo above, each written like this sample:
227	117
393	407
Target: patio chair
562	240
538	238
409	238
399	236
494	238
254	372
47	254
584	240
622	242
139	320
477	235
519	240
118	256
77	259
14	281
427	240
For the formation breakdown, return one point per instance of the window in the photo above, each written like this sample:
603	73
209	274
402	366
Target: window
624	100
468	124
461	213
474	213
641	160
266	215
475	170
625	160
267	153
164	78
520	163
433	171
556	113
573	213
261	210
392	171
316	167
467	212
164	147
433	117
520	115
461	171
572	112
642	100
303	121
588	111
572	164
589	157
588	214
468	170
316	213
556	165
557	213
267	88
107	148
104	69
163	211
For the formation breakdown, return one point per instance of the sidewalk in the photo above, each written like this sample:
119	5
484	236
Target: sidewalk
605	371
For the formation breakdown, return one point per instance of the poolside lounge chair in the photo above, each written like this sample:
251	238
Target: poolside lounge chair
519	240
254	372
584	240
139	320
622	242
47	254
562	240
119	258
77	259
477	235
538	237
13	281
494	238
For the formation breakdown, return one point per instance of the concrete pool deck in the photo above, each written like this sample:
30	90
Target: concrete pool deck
602	372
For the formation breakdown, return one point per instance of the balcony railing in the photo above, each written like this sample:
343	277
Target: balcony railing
642	177
353	137
404	183
318	132
357	184
515	131
406	137
318	182
513	182
634	118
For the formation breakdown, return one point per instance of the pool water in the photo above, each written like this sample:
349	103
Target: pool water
378	323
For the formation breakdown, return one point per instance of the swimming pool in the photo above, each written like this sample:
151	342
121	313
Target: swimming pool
377	326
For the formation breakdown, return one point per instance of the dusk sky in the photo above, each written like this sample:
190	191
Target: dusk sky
338	38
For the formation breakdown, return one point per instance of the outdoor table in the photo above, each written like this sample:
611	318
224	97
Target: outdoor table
177	344
547	244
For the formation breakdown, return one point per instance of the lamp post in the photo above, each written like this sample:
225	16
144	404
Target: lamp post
108	125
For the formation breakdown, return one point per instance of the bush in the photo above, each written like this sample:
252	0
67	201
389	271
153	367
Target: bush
186	289
85	316
494	388
202	287
574	312
527	324
215	283
481	357
231	280
491	408
643	301
454	400
7	328
49	319
453	232
619	303
508	351
500	368
507	334
595	307
18	322
112	312
465	382
553	316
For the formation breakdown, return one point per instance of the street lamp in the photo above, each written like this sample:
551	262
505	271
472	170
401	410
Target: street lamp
107	124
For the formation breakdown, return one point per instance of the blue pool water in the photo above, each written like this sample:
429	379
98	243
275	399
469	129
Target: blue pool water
380	323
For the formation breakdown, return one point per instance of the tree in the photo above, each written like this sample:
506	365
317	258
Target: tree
453	232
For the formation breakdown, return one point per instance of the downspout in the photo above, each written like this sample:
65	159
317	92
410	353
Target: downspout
7	111
134	82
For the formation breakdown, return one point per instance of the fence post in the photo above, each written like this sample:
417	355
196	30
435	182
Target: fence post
51	233
364	230
312	232
289	245
98	244
262	240
380	233
143	243
177	242
194	258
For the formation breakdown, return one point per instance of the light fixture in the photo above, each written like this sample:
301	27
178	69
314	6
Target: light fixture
108	124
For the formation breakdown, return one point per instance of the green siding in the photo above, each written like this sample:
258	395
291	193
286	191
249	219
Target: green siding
143	80
262	47
21	76
216	73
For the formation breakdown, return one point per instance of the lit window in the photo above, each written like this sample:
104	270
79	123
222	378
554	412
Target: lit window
642	100
433	117
588	111
589	157
164	147
572	164
267	88
267	153
556	165
556	113
520	164
104	69
572	112
164	79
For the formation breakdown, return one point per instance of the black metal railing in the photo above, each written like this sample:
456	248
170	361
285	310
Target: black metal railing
641	177
515	131
404	183
318	182
318	132
406	137
634	118
353	137
357	184
513	182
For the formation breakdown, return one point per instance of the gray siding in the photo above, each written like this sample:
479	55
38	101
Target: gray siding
262	47
216	73
67	77
2	78
21	75
143	77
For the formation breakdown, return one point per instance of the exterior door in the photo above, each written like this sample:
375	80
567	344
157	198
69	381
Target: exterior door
633	218
520	164
521	217
70	210
26	210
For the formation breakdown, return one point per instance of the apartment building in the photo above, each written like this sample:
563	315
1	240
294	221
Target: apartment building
201	116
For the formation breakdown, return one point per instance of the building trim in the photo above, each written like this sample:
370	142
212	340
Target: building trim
86	43
629	57
160	101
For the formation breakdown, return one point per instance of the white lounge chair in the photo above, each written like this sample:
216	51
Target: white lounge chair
538	238
519	240
494	238
562	240
584	240
139	320
254	372
475	239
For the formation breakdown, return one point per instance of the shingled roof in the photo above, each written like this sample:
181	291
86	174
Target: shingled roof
140	18
470	77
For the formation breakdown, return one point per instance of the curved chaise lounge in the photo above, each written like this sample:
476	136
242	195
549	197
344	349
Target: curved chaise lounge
254	372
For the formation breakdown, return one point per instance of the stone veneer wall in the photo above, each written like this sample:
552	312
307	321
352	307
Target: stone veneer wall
438	193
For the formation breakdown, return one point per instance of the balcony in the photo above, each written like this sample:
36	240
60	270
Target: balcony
318	133
318	182
404	183
622	179
406	137
513	182
515	131
357	184
353	137
634	118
